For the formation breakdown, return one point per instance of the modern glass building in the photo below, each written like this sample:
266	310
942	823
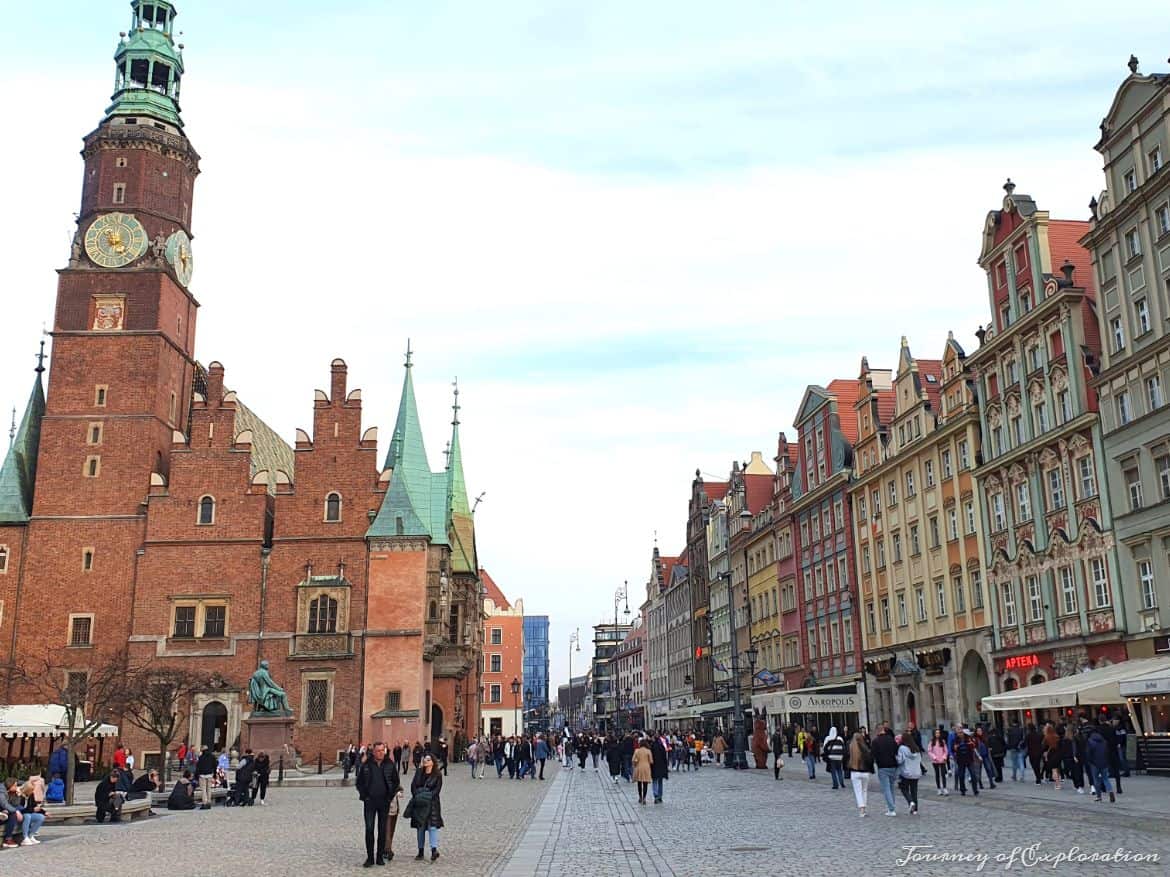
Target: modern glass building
536	671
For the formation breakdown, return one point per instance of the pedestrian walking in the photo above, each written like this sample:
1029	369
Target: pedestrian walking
205	768
377	785
1052	755
808	751
1071	761
659	769
719	746
1097	754
998	749
1016	749
595	750
1034	745
860	770
885	757
425	809
939	757
261	770
964	753
777	753
643	767
910	769
628	744
984	753
542	754
834	752
613	757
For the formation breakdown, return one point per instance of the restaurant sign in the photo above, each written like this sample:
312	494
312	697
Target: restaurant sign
822	703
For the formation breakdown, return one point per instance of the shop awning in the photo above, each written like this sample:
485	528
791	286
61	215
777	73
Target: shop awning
772	701
43	720
1099	686
684	712
1150	682
719	706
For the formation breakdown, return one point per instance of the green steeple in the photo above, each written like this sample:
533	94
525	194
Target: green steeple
149	65
18	474
456	485
460	523
417	497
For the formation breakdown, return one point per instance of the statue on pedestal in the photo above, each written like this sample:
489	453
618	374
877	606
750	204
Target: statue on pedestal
267	698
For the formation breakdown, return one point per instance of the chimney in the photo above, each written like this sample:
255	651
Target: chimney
214	384
337	386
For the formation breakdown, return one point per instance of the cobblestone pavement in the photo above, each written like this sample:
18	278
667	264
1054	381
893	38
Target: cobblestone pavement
715	822
302	831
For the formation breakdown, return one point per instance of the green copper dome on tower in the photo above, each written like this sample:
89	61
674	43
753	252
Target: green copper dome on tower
149	65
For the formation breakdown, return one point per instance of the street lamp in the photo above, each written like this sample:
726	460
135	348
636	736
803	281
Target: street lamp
516	701
574	640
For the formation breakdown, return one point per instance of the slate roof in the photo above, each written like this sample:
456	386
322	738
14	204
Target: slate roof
269	451
19	472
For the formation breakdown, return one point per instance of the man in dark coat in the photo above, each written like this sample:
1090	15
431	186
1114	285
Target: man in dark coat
778	744
182	796
144	785
377	784
108	799
205	770
659	768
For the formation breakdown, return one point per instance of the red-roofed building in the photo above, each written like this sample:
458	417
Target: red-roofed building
503	661
1047	540
826	426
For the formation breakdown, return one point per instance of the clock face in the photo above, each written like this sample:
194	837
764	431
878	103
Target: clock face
115	240
179	255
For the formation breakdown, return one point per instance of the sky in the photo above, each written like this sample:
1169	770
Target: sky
635	232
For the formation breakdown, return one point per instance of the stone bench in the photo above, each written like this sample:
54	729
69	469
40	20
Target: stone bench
77	814
159	799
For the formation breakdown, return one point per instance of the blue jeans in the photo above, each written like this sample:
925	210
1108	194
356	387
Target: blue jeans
499	765
837	772
989	766
888	780
811	761
965	770
1019	764
656	789
1100	777
627	767
32	822
422	835
472	763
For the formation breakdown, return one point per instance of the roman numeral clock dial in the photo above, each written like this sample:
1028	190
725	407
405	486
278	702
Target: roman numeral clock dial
114	240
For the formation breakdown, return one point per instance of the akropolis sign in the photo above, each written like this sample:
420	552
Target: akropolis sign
822	703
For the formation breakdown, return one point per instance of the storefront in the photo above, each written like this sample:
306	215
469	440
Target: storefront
1148	696
1089	693
832	706
1021	670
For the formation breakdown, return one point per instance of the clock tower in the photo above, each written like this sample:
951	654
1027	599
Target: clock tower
122	369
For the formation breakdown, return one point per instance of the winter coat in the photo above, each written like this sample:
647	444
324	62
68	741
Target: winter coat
433	783
542	750
643	765
206	764
59	762
371	787
995	743
1015	737
55	791
182	796
834	750
613	756
660	768
885	750
938	752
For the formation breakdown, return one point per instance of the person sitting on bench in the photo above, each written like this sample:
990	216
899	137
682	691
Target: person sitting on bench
108	799
144	785
183	794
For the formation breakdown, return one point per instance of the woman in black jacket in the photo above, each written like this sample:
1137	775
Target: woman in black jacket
613	757
426	811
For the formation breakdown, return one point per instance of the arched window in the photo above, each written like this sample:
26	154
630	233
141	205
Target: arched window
207	510
323	615
333	507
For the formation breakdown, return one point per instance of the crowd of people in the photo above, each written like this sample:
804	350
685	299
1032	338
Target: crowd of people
1087	754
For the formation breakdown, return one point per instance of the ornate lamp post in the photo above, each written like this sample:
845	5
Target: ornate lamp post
574	640
516	701
622	593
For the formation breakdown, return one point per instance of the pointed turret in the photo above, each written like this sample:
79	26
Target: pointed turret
461	523
415	504
18	474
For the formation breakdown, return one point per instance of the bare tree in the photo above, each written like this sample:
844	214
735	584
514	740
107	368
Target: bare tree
90	697
156	697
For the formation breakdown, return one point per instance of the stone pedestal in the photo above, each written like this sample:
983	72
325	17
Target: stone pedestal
271	734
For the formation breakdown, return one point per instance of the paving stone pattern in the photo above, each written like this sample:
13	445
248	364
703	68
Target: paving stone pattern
307	831
713	822
717	822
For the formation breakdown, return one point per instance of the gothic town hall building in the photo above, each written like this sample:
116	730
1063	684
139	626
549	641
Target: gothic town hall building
144	506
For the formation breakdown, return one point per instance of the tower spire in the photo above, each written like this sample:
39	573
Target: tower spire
148	66
19	470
